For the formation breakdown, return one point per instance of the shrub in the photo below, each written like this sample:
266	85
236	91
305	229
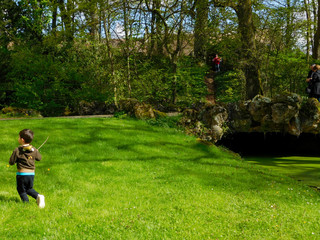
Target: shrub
19	112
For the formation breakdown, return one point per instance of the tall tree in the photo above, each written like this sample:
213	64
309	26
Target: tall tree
54	7
200	28
109	16
316	40
66	8
91	13
156	46
10	15
127	39
289	24
308	16
34	18
243	9
171	16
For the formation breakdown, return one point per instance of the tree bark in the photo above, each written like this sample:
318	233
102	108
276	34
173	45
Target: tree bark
289	30
251	68
110	57
316	41
93	21
200	29
127	43
54	16
306	4
158	28
153	32
66	18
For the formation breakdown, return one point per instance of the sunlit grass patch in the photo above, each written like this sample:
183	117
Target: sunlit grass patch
124	179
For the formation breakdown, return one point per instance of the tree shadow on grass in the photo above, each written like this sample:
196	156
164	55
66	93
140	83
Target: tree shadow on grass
132	140
306	169
4	198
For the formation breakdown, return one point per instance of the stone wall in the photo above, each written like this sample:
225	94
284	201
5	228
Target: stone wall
285	113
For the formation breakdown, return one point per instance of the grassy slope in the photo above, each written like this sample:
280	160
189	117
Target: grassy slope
123	179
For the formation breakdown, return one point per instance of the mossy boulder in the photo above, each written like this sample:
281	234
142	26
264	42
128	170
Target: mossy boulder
285	108
128	105
239	117
259	107
143	111
91	108
310	116
137	109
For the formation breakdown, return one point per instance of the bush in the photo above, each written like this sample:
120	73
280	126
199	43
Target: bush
229	86
155	81
50	83
19	112
165	121
284	72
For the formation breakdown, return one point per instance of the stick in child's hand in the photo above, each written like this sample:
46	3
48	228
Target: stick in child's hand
43	143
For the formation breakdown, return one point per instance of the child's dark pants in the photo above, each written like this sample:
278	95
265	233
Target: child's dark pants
25	187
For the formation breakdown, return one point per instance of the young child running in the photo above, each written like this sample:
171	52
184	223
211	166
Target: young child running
25	156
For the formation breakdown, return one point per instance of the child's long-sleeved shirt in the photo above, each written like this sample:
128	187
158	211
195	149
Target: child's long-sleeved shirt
25	157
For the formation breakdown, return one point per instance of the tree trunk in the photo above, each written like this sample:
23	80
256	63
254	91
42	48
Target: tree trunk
200	29
251	68
288	31
316	41
153	32
127	43
54	16
175	53
106	26
158	42
94	23
159	28
306	4
66	18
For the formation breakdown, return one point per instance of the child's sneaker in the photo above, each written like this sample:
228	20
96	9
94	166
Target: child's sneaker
40	201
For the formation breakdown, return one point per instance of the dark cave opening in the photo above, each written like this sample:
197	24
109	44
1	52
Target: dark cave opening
272	144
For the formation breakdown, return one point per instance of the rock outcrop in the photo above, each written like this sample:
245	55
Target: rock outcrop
137	109
95	108
286	113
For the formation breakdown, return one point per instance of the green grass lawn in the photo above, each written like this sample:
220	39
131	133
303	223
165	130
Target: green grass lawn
302	168
124	179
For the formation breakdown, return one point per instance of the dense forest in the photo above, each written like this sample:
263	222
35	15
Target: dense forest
56	54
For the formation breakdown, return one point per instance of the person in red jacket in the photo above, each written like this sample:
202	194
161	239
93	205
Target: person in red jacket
216	62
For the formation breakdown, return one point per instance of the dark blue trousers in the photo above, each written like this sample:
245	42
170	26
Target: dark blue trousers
25	187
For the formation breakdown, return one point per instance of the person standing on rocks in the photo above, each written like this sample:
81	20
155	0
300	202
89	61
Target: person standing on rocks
308	80
310	72
314	83
216	61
